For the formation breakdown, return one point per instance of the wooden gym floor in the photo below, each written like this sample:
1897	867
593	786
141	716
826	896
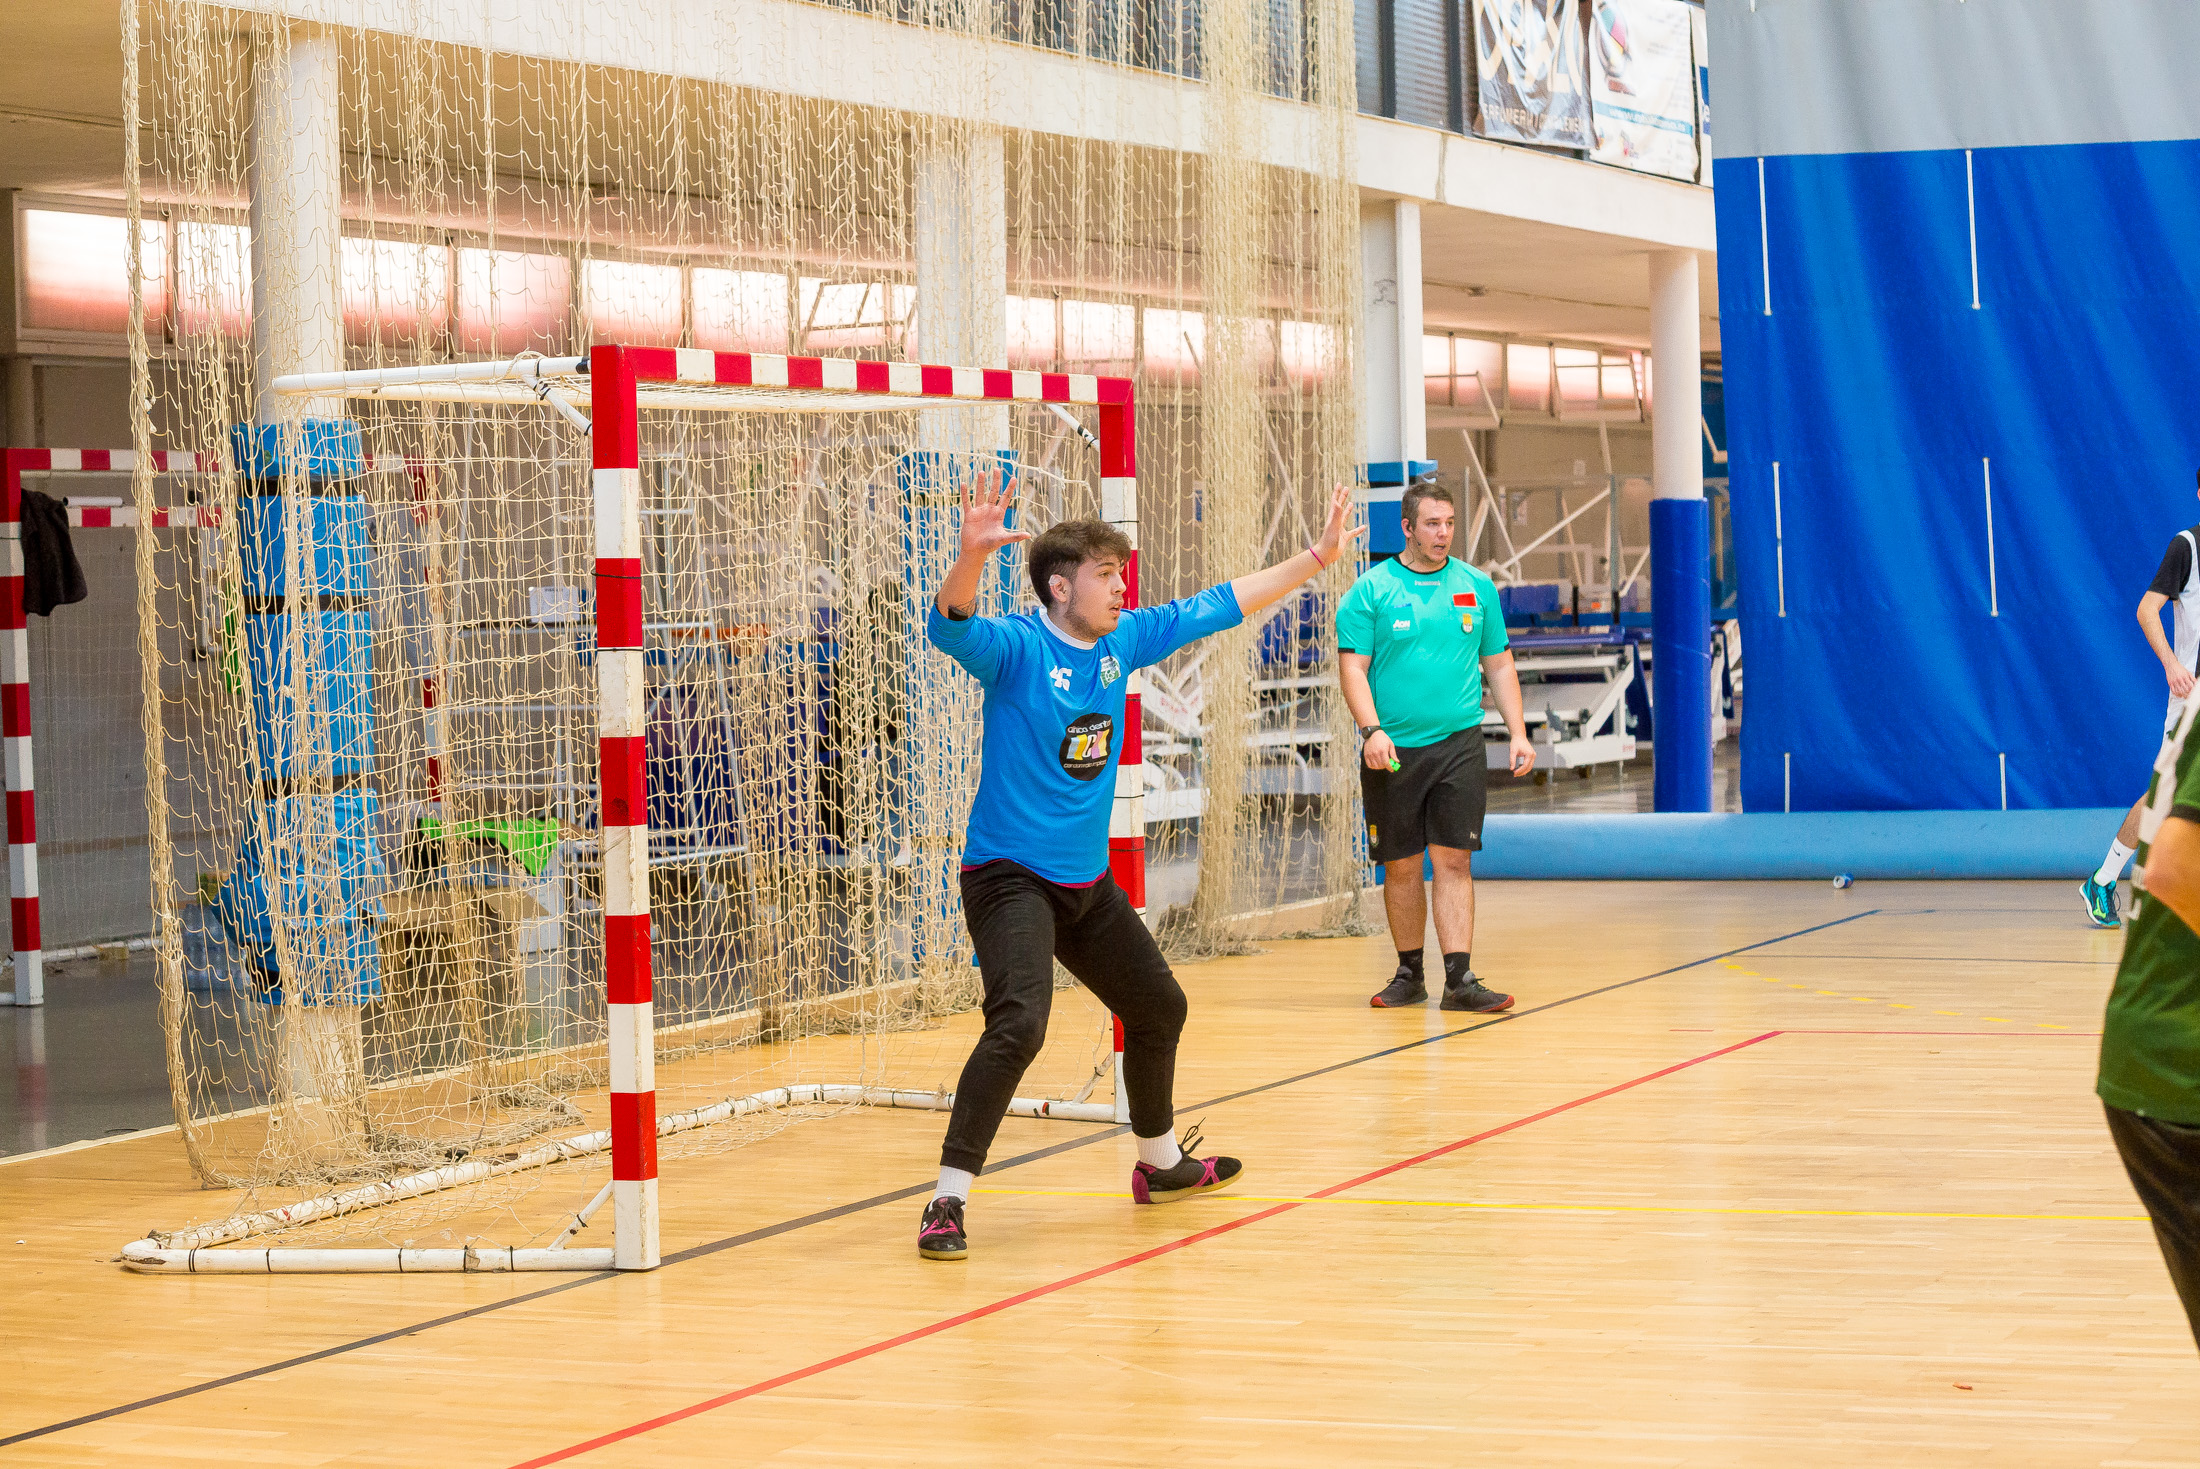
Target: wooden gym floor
1757	1174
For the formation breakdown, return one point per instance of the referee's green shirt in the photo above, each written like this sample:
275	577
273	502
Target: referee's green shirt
2150	1038
1425	633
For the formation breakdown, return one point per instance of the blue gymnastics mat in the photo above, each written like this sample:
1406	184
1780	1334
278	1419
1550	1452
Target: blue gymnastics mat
1801	844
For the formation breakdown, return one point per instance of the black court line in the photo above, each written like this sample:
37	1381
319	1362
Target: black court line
842	1211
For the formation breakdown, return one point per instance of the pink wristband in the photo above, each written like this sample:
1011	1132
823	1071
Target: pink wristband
1317	558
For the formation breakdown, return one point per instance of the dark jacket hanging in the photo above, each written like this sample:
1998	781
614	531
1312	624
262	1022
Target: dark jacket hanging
51	576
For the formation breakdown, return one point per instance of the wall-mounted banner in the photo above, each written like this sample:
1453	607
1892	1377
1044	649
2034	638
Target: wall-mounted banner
1700	32
1531	78
1642	85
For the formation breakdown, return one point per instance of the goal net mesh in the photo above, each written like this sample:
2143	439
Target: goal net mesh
377	880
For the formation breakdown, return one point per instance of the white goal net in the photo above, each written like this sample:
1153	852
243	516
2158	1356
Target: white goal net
371	690
404	847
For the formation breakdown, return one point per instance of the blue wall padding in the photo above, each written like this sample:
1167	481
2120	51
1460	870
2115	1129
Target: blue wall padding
1803	844
1399	472
328	916
317	448
1386	531
1860	366
339	529
341	690
329	874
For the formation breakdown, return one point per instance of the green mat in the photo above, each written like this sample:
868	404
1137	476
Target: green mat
530	840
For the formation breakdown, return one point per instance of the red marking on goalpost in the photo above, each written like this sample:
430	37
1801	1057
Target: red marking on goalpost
623	794
15	700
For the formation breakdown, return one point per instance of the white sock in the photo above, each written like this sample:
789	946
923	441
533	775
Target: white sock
1161	1152
955	1182
2112	867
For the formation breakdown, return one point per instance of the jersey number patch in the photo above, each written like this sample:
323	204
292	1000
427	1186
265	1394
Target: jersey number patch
1085	745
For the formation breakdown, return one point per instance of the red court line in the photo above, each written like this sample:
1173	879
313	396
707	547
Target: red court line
665	1420
2037	1035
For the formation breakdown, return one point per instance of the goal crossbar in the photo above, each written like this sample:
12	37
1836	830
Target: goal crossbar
682	377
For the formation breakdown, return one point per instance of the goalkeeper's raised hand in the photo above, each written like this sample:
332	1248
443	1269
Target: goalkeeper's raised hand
984	530
1262	588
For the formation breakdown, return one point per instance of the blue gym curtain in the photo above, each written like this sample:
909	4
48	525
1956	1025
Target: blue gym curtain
1946	512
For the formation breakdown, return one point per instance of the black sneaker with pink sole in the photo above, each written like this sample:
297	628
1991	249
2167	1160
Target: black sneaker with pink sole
1190	1175
940	1236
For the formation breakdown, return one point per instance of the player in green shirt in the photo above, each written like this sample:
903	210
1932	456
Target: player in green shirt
2150	1039
1416	638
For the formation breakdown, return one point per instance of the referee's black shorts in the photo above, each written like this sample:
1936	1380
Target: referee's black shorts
1435	798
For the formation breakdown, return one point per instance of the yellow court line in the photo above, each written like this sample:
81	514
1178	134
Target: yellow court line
1064	1193
1892	1005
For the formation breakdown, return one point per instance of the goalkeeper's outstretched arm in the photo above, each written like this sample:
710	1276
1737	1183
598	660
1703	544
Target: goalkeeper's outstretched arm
1264	587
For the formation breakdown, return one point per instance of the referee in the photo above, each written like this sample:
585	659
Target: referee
1416	637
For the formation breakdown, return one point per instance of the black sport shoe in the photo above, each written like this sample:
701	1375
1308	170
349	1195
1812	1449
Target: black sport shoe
1403	990
1151	1185
940	1236
1471	994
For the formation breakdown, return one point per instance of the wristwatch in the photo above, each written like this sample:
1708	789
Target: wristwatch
1367	730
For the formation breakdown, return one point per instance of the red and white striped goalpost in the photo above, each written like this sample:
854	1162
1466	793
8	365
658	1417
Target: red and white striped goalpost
28	947
621	382
1127	818
15	731
28	943
623	788
617	378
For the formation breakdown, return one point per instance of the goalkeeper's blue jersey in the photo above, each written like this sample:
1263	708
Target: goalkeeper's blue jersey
1053	725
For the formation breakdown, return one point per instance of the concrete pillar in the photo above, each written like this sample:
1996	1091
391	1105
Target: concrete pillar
962	275
296	180
1676	347
1394	403
1680	540
320	871
22	404
962	321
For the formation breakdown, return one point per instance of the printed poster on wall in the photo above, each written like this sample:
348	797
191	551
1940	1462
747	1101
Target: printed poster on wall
1642	85
1703	93
1530	75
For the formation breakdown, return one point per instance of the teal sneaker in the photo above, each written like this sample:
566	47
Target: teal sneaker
2100	903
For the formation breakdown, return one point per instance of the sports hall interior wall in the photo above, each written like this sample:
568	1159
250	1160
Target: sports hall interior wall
1959	364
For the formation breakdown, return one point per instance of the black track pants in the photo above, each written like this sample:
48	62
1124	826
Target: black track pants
2163	1159
1020	924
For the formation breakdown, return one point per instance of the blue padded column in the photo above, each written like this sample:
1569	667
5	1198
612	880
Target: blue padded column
315	755
1680	643
1387	482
